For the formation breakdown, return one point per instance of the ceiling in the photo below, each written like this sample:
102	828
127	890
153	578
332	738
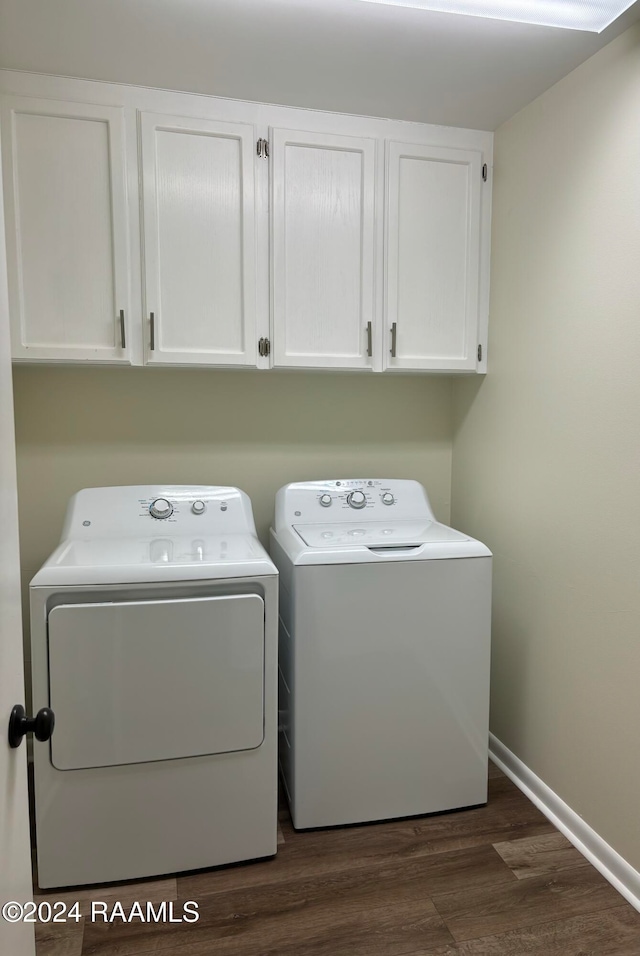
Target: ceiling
341	55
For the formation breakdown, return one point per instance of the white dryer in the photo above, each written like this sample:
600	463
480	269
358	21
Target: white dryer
154	642
384	654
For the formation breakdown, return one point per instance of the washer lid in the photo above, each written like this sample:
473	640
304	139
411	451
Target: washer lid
380	535
366	542
144	560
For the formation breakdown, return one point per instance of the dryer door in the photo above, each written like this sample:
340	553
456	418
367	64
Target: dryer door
138	681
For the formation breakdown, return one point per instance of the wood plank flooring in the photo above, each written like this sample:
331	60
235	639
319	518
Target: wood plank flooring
496	881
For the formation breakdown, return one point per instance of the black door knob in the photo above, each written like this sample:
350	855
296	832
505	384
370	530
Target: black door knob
41	726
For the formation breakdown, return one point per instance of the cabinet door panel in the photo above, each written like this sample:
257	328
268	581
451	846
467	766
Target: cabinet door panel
433	247
67	229
323	249
199	229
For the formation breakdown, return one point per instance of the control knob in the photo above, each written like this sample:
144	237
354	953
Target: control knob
198	507
356	499
387	498
161	508
325	501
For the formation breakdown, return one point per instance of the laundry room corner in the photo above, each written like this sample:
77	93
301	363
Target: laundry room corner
545	453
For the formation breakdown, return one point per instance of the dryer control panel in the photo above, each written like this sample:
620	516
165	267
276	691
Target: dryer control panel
343	500
139	510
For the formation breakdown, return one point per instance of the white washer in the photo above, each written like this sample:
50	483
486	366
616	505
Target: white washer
384	654
154	641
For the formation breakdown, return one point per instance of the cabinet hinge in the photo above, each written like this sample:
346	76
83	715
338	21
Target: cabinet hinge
264	347
262	148
480	353
485	172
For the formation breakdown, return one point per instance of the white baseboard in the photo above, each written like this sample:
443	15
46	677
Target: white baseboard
613	867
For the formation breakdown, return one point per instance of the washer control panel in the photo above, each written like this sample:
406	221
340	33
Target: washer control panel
371	498
357	494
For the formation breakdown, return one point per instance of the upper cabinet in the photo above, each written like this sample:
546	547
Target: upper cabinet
198	199
159	228
433	257
66	221
323	249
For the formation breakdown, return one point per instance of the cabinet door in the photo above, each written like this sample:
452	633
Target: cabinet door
199	241
323	249
64	177
432	256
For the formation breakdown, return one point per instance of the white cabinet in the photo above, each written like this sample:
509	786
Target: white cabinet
323	233
360	243
432	298
66	213
199	214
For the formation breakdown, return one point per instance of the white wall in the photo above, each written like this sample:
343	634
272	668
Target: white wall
546	461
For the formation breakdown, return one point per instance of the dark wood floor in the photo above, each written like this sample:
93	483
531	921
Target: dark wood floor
495	881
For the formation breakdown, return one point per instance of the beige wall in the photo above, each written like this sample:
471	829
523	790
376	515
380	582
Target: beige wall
82	427
546	460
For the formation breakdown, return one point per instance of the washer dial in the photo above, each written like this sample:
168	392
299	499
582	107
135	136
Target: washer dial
325	501
356	499
198	507
161	508
388	499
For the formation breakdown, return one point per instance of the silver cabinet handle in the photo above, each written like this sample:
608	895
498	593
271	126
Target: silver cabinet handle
123	339
152	332
369	341
394	333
